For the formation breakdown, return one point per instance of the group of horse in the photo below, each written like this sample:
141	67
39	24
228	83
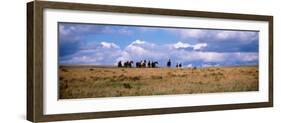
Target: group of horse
145	64
141	64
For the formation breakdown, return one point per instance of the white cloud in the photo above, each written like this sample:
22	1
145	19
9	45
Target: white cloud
210	65
125	56
138	47
189	66
136	50
187	45
70	33
102	54
218	57
225	35
108	45
181	45
242	36
140	50
199	46
191	56
141	43
217	35
246	57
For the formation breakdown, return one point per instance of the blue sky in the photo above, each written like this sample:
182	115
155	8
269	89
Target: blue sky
96	44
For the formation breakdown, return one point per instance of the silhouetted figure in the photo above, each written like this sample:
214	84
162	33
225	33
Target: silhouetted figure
128	64
149	64
154	64
169	63
144	64
120	64
177	66
138	64
180	65
125	64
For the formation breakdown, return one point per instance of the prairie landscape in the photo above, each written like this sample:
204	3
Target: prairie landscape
92	81
111	60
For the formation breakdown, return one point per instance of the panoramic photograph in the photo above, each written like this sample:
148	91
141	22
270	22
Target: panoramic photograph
103	60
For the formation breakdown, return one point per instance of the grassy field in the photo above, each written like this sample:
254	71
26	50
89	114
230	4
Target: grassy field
90	81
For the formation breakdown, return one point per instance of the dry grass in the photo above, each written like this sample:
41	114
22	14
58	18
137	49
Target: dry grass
90	82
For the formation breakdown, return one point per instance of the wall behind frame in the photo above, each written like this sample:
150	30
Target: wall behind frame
13	61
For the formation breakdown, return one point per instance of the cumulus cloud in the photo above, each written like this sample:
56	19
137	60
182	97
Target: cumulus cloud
100	54
109	45
210	65
220	40
239	35
182	45
219	57
218	35
199	46
140	50
71	32
72	37
189	66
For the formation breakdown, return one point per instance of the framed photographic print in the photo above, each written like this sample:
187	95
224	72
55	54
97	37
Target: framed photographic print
96	61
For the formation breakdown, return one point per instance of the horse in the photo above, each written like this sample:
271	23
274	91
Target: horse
138	64
128	64
169	63
154	64
149	64
120	64
143	64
